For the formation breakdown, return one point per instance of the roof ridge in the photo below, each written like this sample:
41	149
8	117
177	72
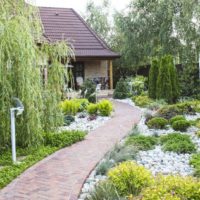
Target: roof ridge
103	43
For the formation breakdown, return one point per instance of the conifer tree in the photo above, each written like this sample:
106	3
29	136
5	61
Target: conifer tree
164	85
153	75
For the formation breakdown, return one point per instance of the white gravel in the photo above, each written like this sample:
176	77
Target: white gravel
166	163
84	124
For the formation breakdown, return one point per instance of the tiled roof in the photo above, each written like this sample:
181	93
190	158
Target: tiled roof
65	23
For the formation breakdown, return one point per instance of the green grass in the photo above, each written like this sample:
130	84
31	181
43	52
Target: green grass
53	142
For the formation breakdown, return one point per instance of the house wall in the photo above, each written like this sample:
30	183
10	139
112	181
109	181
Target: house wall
95	69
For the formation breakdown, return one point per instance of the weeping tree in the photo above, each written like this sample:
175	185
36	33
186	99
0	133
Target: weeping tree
153	75
20	74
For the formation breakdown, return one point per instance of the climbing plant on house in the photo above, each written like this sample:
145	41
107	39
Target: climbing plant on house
20	74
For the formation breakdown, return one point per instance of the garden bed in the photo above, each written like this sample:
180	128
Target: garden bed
160	150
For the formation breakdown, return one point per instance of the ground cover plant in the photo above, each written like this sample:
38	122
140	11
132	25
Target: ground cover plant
157	123
142	143
181	125
178	143
30	156
195	161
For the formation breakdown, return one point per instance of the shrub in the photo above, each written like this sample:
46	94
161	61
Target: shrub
195	162
141	142
155	105
180	125
129	178
138	85
173	188
176	118
104	190
153	75
87	90
68	119
142	101
122	90
82	103
178	143
105	107
164	85
198	134
70	107
92	109
157	123
63	139
188	107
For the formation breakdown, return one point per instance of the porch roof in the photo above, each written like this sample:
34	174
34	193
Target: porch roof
66	24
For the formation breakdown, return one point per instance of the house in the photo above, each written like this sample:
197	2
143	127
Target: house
93	57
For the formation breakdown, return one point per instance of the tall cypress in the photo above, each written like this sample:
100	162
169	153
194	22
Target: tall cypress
174	79
164	85
153	75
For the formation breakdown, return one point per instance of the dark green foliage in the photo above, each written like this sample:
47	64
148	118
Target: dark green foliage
157	123
105	191
176	118
153	75
122	90
181	125
178	143
141	142
68	119
164	84
174	79
88	91
189	81
63	139
195	161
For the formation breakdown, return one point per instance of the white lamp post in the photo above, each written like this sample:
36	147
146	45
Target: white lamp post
19	108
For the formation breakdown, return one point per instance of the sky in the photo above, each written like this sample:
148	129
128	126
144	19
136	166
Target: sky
79	5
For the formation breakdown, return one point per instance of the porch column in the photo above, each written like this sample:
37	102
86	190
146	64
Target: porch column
111	73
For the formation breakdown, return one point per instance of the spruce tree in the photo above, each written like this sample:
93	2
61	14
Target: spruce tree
164	85
153	75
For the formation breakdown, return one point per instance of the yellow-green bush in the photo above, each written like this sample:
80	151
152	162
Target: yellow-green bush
70	107
92	109
176	118
105	107
130	178
142	100
173	187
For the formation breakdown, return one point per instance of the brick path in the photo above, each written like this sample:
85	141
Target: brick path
61	175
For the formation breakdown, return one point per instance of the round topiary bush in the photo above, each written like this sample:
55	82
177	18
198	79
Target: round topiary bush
130	178
157	123
176	118
181	125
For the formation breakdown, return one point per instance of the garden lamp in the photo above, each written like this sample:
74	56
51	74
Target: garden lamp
18	108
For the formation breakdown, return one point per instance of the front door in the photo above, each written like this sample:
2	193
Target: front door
78	72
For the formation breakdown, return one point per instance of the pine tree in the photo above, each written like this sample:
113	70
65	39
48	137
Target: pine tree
164	85
153	75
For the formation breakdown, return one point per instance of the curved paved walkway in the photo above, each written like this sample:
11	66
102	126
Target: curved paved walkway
61	175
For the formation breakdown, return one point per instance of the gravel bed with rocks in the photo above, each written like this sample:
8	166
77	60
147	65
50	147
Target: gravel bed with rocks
156	160
84	122
166	163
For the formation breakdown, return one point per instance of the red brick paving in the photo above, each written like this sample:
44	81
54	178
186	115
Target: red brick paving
61	175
